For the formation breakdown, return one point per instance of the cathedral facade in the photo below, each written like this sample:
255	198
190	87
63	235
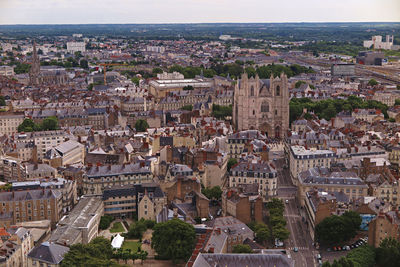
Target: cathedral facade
262	104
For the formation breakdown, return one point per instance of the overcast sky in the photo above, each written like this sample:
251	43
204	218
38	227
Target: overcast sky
182	11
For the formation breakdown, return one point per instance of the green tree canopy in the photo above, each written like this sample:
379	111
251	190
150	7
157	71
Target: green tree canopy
388	253
299	83
372	82
97	253
174	239
141	125
231	162
50	124
212	193
239	248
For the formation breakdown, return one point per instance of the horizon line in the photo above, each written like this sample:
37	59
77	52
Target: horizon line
177	23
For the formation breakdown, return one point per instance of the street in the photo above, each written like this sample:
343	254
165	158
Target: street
299	237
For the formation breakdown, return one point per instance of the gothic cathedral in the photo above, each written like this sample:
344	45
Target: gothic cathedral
262	104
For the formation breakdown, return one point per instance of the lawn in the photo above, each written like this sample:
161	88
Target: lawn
117	228
132	245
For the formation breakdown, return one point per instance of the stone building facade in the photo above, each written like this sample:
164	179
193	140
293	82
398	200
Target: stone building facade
262	104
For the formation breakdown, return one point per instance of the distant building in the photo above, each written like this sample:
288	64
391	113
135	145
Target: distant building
248	260
156	49
6	71
73	47
15	245
370	58
376	43
343	70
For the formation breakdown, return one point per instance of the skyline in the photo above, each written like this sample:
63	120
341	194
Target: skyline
190	11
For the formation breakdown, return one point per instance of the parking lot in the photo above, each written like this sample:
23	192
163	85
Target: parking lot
331	255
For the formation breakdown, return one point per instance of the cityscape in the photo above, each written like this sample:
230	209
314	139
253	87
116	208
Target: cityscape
182	137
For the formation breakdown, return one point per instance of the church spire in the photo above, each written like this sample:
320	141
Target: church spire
35	67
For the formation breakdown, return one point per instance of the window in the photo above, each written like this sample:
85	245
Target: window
278	91
252	91
265	107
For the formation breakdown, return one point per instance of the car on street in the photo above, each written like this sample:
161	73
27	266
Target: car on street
295	249
287	201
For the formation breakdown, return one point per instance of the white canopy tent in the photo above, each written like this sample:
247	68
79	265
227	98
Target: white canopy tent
117	241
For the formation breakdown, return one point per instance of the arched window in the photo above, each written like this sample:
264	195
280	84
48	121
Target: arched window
278	91
252	91
264	107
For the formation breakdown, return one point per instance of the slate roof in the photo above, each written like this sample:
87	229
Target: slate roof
248	260
49	253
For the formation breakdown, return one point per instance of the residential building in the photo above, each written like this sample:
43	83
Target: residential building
301	159
255	172
238	142
14	250
73	47
30	205
39	171
101	177
9	122
7	71
323	179
248	260
385	225
243	202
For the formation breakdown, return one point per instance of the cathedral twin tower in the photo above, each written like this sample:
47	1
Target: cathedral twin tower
262	104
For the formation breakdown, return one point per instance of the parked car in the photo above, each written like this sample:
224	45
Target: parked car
287	201
295	249
319	257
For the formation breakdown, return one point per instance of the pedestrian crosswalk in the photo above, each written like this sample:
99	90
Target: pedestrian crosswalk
299	248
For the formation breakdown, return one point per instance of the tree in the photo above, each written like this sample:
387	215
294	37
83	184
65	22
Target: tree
84	64
105	221
141	125
136	80
280	232
388	253
336	229
157	70
26	126
212	193
188	87
239	248
397	102
137	229
231	162
97	253
50	124
174	239
2	101
187	107
299	83
263	234
372	82
398	87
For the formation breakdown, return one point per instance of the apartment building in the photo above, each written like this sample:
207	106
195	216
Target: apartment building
9	122
101	177
258	172
46	140
6	71
323	179
237	142
385	225
243	202
301	159
47	255
17	242
30	205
